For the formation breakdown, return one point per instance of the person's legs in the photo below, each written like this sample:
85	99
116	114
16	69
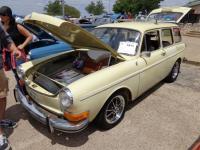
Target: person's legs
2	111
4	123
3	93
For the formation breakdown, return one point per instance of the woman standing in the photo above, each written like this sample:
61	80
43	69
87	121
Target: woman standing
20	36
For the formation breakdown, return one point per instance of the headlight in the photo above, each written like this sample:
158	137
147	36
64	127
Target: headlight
66	99
20	72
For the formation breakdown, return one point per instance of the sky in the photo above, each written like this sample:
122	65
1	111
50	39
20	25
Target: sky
24	7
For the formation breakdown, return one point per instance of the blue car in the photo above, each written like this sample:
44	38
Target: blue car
44	43
48	48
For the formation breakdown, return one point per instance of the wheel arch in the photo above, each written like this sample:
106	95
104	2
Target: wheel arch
125	90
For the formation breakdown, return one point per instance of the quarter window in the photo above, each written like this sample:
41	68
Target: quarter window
151	41
177	35
167	39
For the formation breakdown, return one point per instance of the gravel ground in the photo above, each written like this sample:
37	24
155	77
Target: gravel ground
165	118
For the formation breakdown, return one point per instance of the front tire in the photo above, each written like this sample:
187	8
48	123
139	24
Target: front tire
113	111
174	73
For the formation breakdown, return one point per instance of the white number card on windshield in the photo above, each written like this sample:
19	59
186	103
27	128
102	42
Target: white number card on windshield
127	47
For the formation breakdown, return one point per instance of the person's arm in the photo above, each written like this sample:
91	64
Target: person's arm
25	33
14	49
7	42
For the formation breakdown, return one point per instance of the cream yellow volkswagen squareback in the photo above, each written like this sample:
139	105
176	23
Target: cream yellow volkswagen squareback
105	70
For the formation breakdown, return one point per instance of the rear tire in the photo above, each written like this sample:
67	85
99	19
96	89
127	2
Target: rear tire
112	112
174	73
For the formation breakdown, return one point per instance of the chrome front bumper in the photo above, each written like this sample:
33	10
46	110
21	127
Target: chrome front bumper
53	123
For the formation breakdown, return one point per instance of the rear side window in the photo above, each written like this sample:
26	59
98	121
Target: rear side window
177	35
167	38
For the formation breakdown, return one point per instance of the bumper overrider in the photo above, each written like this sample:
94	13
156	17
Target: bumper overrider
53	123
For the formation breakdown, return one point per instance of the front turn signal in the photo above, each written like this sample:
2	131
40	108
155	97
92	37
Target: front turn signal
76	117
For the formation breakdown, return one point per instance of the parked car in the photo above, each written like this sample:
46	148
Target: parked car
44	44
46	48
101	74
87	27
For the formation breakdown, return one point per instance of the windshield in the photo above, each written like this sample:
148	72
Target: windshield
124	41
165	16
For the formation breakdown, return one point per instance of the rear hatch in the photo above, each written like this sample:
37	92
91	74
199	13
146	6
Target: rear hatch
168	14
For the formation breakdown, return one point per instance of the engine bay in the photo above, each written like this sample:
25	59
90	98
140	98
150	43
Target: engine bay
70	67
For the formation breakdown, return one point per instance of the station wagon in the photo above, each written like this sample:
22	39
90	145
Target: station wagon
105	69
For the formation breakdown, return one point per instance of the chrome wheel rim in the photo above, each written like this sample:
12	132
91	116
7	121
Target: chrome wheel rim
175	70
115	109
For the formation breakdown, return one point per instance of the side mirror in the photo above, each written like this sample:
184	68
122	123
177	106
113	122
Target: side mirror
146	54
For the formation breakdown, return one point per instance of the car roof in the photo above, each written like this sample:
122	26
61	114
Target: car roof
140	26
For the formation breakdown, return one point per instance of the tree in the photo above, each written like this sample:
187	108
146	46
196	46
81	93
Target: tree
95	8
71	11
135	6
55	8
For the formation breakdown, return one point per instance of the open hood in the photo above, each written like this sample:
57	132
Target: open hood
69	32
168	14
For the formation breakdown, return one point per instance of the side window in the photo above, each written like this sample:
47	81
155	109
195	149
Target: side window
167	38
177	35
151	41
